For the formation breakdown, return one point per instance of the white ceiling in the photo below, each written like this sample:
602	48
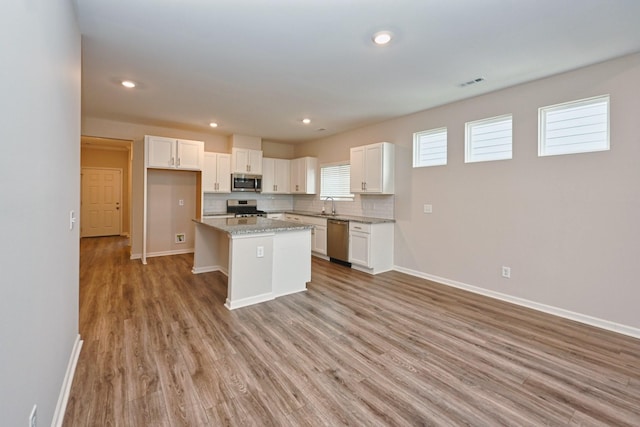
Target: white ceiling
257	67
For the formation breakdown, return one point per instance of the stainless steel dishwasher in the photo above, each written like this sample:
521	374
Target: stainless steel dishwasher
338	241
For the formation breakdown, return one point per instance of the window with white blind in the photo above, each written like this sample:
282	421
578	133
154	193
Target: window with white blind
488	139
430	148
574	127
334	181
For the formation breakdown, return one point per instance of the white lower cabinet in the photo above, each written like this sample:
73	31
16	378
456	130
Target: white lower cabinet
318	233
371	246
319	239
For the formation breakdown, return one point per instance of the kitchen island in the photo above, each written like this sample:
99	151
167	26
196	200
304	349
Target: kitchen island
262	258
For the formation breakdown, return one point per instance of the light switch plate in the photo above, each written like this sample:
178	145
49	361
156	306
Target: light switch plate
428	208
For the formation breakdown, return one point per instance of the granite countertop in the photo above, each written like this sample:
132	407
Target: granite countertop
362	219
251	225
216	214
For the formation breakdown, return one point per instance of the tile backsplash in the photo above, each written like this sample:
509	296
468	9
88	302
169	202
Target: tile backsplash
217	203
369	205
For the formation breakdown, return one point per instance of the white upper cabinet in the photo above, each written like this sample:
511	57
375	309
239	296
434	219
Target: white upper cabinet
303	175
372	168
170	153
276	175
216	173
244	160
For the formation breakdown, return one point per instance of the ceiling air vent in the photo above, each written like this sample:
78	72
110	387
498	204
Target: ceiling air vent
472	82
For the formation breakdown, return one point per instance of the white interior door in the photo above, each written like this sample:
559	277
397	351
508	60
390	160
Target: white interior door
101	212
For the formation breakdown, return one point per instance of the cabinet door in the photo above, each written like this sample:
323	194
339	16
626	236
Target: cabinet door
239	160
295	169
161	152
254	160
373	168
359	248
268	176
209	172
223	176
190	154
282	173
320	240
357	177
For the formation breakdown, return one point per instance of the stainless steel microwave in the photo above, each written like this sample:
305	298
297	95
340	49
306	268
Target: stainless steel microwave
243	182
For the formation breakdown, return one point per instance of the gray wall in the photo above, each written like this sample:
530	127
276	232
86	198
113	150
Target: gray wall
566	225
40	184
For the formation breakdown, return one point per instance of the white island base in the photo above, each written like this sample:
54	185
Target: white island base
260	265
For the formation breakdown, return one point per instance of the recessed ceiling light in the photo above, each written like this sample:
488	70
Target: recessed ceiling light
306	121
382	37
213	124
128	84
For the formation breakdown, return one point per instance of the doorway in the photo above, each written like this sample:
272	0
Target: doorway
99	213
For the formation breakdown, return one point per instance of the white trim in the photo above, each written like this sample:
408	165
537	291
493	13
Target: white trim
249	301
63	398
166	253
560	312
210	269
137	255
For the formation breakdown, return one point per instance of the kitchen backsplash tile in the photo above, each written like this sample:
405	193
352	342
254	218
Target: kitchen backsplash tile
369	205
217	203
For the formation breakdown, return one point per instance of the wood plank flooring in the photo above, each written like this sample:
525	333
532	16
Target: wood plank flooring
160	349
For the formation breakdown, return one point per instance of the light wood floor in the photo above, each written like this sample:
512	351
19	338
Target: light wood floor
160	349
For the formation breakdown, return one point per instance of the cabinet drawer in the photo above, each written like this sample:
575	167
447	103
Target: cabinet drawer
292	218
359	226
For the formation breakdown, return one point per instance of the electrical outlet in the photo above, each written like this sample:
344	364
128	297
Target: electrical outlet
428	208
180	238
506	272
181	202
33	417
260	252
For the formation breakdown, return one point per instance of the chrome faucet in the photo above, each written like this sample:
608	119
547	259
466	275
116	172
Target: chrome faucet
333	205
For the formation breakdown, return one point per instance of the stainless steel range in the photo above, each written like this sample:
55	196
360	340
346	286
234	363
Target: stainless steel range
244	208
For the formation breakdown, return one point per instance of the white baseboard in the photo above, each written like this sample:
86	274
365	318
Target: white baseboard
248	301
63	398
209	269
135	256
556	311
167	253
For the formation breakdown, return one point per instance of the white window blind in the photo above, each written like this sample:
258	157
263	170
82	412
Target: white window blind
488	139
334	181
430	148
574	127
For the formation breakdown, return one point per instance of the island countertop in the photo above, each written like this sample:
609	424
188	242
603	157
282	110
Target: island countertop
251	225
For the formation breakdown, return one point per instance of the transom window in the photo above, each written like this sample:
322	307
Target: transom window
574	127
430	148
488	139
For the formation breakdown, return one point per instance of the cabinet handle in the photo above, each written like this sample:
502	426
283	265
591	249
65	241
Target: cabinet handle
173	160
178	162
